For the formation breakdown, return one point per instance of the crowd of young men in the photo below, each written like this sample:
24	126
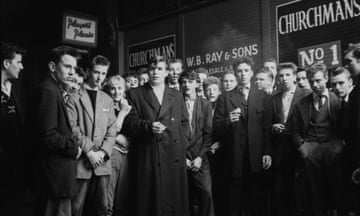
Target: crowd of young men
281	141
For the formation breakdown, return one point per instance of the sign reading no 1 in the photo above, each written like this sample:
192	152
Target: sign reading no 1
327	53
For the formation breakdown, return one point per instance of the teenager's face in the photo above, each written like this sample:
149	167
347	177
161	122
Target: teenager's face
341	84
229	82
175	70
244	73
64	70
353	63
158	73
212	92
318	82
301	80
287	78
262	81
117	90
132	82
98	75
13	66
271	66
188	86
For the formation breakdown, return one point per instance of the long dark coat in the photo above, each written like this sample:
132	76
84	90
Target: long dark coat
251	128
282	146
160	180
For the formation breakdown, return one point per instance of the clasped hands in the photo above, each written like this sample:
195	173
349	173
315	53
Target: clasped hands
194	165
158	127
96	158
278	128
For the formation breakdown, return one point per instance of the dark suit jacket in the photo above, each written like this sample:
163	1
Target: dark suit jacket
302	115
353	126
250	129
57	149
200	136
161	177
281	143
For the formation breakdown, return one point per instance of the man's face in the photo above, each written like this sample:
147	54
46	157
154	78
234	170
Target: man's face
117	90
212	92
318	82
98	75
175	70
244	73
64	70
301	80
229	82
271	66
353	63
13	66
262	81
188	86
287	78
158	73
144	78
341	84
131	82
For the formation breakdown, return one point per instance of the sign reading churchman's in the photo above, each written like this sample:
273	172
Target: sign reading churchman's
138	54
79	29
312	31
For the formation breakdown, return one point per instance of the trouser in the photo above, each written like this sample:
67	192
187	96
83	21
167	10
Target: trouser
322	176
117	194
200	188
246	194
58	207
91	198
282	190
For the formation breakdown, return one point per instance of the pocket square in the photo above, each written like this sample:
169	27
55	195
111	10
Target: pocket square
106	109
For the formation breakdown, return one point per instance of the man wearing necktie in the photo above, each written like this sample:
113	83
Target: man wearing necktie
317	137
239	122
280	111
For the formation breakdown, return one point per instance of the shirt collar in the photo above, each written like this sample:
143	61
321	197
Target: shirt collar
325	93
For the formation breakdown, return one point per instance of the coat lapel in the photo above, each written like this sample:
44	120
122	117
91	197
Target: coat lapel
86	103
98	107
305	110
150	98
279	108
167	101
235	98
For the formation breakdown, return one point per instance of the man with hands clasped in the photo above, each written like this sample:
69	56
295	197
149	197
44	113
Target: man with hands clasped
239	122
93	122
200	122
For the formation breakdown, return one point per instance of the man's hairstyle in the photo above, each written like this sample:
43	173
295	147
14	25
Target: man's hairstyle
212	80
228	72
109	82
288	65
190	75
130	73
271	60
176	60
266	72
58	52
99	60
155	60
355	49
201	70
142	70
341	70
317	67
8	51
300	69
244	60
